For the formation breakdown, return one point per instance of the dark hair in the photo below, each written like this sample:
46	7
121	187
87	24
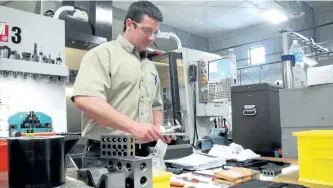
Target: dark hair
140	8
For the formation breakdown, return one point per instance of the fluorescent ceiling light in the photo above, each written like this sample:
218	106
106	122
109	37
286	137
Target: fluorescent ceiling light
274	16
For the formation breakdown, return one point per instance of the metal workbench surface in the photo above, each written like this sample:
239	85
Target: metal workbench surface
73	183
70	183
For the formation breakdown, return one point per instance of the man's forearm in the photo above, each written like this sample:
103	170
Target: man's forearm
157	118
104	114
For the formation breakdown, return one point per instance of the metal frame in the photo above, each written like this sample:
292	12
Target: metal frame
296	36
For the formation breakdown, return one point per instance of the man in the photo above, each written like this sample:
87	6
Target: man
118	91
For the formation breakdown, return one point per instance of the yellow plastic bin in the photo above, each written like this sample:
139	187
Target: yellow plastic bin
315	156
161	179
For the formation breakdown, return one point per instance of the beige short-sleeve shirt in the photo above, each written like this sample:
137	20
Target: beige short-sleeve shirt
115	72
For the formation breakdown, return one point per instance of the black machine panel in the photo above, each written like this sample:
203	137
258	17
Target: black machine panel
86	35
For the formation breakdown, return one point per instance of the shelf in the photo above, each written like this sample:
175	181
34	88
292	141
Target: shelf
33	67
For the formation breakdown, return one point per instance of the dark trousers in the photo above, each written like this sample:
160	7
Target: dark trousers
91	156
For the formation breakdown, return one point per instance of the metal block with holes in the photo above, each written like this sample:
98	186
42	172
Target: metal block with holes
117	146
138	171
272	172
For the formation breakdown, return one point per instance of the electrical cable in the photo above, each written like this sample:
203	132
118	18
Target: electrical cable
195	132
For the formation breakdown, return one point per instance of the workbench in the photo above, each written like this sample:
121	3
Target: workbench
292	177
288	178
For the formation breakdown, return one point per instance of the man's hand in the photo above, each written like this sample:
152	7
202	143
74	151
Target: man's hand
168	139
146	132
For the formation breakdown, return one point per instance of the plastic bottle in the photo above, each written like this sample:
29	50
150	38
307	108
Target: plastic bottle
300	78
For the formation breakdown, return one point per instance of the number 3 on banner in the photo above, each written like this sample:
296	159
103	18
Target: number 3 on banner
16	38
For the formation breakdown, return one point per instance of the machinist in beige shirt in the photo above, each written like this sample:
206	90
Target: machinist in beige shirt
117	90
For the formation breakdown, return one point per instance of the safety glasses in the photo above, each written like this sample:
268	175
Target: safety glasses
147	30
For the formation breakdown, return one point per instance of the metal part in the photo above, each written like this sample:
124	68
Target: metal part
29	122
91	176
272	172
5	50
138	171
26	56
173	134
122	173
35	56
112	180
59	60
117	146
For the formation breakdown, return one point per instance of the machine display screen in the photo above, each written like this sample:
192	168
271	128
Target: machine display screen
219	69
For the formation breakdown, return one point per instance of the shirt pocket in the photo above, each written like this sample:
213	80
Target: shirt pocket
153	84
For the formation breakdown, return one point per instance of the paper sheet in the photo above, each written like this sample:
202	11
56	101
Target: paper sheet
197	161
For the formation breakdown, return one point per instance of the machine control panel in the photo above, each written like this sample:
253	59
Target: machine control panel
203	81
215	78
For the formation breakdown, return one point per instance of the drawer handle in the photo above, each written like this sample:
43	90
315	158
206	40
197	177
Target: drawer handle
249	110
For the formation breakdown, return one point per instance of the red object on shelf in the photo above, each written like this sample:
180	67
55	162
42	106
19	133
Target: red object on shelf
3	163
3	156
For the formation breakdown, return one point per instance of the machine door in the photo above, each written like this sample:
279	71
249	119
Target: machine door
171	74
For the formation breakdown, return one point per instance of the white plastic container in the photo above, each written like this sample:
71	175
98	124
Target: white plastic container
300	68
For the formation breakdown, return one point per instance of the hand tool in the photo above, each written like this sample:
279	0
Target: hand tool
177	184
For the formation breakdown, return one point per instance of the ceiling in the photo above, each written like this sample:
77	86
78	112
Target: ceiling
213	18
209	18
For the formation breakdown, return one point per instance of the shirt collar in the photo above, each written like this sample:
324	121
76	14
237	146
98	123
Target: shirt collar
127	45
